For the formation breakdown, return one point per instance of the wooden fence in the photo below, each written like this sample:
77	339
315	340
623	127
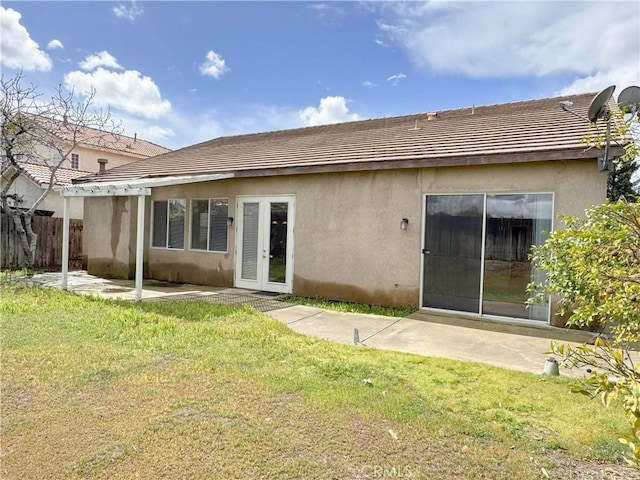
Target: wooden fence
49	247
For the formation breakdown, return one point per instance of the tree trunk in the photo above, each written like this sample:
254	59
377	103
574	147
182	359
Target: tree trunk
28	239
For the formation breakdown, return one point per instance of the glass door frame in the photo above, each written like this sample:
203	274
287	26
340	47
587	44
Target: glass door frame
480	313
264	233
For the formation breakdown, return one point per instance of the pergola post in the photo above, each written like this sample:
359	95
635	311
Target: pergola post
140	247
65	241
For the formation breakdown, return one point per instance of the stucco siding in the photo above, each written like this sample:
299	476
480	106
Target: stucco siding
30	192
88	159
348	241
55	203
186	265
348	244
107	236
576	185
24	188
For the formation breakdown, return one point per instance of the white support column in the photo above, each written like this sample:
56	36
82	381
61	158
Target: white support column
65	242
140	247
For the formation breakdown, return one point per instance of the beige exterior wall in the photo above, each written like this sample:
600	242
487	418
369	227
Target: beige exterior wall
88	159
576	185
348	241
109	236
55	202
347	232
31	192
88	162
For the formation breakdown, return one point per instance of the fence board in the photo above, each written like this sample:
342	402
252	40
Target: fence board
49	248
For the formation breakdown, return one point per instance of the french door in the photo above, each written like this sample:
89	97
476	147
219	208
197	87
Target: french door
264	249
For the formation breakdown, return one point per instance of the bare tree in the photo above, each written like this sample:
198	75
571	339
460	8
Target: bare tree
46	132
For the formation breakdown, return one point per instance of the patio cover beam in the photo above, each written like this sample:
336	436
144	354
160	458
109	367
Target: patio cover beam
106	191
140	188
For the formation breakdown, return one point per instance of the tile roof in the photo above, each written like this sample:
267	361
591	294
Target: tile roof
41	174
514	132
100	140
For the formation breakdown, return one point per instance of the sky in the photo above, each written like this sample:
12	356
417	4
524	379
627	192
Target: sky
179	73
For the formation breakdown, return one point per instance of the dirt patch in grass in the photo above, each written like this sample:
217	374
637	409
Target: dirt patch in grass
562	466
183	423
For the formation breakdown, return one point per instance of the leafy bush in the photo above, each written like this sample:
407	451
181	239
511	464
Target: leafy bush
594	267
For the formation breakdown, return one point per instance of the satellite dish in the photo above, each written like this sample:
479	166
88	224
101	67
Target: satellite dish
598	106
629	98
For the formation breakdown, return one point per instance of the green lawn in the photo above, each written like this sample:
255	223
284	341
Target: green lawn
108	389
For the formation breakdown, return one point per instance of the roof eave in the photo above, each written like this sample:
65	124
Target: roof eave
465	160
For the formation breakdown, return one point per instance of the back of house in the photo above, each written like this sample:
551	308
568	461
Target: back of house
438	210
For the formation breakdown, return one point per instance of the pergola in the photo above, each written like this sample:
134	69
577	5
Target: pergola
140	188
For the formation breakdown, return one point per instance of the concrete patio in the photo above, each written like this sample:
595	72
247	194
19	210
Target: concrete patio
515	346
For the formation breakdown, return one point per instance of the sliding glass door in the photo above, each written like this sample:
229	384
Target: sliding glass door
476	252
513	224
453	252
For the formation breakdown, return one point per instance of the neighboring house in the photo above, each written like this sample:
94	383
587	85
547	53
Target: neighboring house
437	210
35	180
95	151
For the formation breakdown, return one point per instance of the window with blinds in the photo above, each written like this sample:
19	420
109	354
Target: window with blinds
250	232
209	227
168	223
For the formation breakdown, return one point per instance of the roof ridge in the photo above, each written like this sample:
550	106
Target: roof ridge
101	139
391	118
516	102
87	127
488	132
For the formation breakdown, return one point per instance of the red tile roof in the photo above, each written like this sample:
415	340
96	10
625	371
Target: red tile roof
41	174
532	130
101	140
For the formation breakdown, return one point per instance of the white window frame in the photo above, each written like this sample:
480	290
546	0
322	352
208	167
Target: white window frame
75	161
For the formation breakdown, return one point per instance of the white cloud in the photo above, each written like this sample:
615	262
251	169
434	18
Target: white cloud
381	43
17	49
623	77
100	59
194	127
395	79
331	110
128	12
53	44
329	13
214	65
368	83
129	91
159	132
249	118
503	39
156	131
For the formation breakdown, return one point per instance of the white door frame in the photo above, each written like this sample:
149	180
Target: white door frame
261	282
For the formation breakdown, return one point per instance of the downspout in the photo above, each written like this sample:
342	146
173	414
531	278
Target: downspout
140	248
